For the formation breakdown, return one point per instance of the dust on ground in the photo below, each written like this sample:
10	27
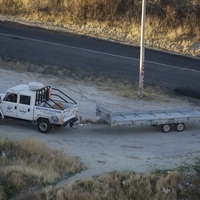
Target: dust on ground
103	149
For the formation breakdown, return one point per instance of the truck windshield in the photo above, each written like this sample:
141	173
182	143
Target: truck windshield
11	97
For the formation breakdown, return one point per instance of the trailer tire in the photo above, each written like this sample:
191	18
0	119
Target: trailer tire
180	127
44	126
165	128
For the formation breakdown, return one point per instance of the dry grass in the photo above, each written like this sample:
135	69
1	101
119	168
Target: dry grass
173	24
30	163
126	185
119	87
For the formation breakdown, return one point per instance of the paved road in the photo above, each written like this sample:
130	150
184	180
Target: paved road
94	56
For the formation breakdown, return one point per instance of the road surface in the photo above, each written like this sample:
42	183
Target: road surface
98	57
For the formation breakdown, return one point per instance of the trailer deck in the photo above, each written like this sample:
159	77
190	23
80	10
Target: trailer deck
163	118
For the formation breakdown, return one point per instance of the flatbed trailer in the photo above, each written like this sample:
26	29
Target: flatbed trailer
164	118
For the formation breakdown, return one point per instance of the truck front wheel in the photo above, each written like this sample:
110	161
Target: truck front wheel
43	125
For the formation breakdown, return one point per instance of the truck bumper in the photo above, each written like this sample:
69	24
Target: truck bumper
70	121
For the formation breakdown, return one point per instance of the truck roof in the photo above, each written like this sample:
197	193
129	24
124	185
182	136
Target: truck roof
22	88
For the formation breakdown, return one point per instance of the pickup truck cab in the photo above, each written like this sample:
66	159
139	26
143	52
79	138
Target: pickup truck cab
37	103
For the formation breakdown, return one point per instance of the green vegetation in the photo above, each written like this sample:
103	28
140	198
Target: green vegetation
26	166
170	24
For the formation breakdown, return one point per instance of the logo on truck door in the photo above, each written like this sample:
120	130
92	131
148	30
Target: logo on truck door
55	119
9	109
23	111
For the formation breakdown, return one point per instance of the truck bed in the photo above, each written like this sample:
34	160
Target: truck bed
59	105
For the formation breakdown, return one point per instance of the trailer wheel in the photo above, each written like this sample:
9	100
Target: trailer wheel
180	127
165	128
43	125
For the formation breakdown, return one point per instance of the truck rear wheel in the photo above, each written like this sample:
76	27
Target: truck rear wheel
165	128
180	127
44	126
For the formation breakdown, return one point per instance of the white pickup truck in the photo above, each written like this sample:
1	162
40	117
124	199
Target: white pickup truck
40	104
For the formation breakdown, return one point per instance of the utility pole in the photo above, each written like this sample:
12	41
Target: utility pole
142	49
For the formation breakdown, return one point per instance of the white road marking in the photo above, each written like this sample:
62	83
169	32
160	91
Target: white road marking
99	52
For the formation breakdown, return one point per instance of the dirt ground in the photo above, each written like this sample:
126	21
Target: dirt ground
142	149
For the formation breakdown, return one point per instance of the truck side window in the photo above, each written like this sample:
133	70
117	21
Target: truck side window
11	97
25	100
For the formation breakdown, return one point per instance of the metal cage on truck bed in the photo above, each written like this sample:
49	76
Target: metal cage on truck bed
47	93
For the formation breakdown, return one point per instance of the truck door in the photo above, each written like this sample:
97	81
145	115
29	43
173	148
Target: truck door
24	109
9	105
